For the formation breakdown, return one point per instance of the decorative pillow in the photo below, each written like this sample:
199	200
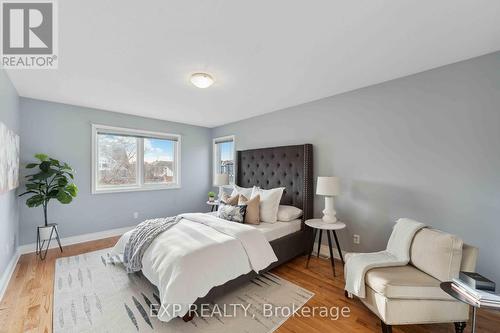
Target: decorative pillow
230	200
253	211
232	213
247	192
288	213
269	203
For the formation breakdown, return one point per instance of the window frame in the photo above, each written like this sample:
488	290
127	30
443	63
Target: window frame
214	157
140	184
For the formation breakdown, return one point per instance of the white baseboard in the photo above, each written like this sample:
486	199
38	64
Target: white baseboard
28	248
325	252
7	274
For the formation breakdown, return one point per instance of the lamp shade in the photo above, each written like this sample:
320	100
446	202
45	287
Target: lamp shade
221	179
328	186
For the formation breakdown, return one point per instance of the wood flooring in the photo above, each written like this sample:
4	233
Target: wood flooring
27	303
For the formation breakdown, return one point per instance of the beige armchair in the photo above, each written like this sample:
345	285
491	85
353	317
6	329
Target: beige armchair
411	294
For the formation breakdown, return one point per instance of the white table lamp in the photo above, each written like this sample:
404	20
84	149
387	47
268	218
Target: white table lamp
221	180
329	187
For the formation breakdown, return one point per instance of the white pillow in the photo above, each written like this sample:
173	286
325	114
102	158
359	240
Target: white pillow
269	203
288	213
246	191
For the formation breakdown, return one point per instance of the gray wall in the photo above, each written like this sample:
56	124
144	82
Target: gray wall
9	115
425	146
64	132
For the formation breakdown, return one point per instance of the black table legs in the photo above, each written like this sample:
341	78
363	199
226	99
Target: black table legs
319	241
330	247
338	246
312	247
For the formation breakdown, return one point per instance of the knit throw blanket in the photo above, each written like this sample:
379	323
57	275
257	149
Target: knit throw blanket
142	237
396	254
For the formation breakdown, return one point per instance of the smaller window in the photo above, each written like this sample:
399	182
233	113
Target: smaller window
224	157
133	160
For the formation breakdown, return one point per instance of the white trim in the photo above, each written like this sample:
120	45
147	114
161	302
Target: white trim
140	186
214	152
7	274
128	131
29	248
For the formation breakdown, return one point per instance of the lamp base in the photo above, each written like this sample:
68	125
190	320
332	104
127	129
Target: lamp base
329	211
329	219
221	192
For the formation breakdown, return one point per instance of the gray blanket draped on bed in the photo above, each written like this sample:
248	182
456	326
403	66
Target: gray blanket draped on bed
142	237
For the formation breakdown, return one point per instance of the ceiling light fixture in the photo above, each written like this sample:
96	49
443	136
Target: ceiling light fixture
202	80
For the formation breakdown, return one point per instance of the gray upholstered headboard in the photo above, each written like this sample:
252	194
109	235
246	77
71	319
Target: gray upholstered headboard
288	166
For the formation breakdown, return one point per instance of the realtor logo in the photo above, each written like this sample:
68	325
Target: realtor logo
29	34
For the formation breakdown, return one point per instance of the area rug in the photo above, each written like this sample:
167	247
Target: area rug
93	293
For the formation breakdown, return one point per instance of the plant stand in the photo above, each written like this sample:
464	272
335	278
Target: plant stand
44	234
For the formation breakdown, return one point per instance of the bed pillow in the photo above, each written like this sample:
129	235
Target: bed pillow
232	213
288	213
269	203
230	200
252	213
246	191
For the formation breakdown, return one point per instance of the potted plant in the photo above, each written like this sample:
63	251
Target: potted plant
211	196
52	180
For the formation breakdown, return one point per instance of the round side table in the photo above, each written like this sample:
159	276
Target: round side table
214	205
447	288
319	224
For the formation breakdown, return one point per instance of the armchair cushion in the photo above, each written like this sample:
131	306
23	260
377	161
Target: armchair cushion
405	282
437	253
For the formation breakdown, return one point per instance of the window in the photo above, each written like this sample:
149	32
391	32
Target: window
224	156
131	160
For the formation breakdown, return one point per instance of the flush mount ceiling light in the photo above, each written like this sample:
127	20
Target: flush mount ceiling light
202	80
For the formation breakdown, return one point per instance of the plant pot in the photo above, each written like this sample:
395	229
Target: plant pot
211	199
45	232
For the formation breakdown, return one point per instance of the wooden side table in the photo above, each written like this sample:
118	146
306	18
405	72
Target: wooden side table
214	205
319	224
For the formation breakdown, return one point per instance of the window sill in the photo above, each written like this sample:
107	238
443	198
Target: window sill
136	189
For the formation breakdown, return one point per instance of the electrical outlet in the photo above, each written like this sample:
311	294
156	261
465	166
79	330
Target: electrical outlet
356	239
136	215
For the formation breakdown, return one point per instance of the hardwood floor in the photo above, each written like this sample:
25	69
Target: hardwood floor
27	303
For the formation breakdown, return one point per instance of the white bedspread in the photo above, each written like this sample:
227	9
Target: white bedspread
197	254
396	254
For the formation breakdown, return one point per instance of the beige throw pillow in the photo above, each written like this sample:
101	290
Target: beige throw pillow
233	201
252	215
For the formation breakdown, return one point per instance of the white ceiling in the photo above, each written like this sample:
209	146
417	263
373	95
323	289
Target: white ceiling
136	56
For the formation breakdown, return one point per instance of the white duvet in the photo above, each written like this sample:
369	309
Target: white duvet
197	254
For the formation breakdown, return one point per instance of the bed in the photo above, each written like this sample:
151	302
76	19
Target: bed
289	167
286	166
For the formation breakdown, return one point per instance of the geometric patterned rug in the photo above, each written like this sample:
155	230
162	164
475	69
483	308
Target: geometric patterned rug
93	293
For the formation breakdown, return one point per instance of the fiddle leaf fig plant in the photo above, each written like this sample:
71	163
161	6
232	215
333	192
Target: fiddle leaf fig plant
52	180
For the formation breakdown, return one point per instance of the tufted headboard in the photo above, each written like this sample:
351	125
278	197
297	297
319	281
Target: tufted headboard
287	166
